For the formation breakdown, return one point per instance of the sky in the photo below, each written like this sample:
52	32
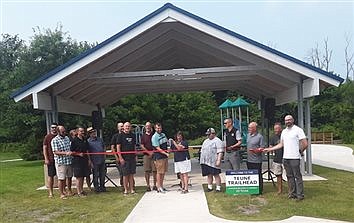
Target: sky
293	27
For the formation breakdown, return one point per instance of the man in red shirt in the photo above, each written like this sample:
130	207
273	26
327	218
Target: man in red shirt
49	157
149	166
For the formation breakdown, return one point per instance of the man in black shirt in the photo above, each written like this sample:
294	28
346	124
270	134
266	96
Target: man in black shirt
127	160
114	149
278	157
233	142
81	161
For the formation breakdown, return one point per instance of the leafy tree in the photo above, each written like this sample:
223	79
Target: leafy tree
20	64
191	113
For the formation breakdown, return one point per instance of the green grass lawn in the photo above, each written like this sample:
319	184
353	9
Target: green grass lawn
349	145
21	202
331	199
8	156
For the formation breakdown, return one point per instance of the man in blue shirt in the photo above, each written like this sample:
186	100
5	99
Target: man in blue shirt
159	142
96	145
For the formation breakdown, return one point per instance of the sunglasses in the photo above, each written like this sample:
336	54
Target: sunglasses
53	127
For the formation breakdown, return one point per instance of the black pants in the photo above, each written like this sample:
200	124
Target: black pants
257	166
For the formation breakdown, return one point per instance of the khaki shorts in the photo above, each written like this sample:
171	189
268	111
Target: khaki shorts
277	169
64	171
161	165
149	164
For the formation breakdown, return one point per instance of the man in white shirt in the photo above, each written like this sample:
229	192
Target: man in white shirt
294	142
210	159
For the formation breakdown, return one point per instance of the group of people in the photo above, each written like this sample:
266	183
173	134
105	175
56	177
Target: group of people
288	144
66	156
154	146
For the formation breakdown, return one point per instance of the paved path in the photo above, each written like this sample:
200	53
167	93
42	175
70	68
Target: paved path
338	157
194	204
13	160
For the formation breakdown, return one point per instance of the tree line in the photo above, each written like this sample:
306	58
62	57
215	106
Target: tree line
22	128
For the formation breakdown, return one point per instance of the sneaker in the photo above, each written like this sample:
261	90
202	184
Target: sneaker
292	197
154	188
209	190
81	195
299	198
160	190
103	189
218	190
164	189
148	189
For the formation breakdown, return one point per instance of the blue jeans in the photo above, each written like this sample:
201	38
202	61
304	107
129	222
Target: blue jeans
99	176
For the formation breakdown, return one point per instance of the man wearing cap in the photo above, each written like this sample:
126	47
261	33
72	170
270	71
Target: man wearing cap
233	141
49	157
96	145
210	159
254	155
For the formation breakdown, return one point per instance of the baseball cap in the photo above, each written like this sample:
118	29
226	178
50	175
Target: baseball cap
90	129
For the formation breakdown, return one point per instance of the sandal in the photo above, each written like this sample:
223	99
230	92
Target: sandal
81	195
63	197
125	193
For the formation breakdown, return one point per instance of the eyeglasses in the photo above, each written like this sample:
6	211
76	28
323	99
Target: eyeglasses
225	123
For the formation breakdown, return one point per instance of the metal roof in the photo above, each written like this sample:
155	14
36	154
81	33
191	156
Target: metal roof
172	50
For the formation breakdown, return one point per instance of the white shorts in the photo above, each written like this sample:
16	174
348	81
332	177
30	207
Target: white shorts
277	169
183	166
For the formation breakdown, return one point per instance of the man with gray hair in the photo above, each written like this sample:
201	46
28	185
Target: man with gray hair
255	143
294	142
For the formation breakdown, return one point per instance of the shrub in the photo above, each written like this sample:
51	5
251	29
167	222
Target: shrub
12	147
32	149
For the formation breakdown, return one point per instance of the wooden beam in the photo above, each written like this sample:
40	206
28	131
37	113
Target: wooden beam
175	72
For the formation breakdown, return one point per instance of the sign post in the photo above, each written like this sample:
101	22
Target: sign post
242	182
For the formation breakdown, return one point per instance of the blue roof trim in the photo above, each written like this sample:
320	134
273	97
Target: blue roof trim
92	50
151	15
